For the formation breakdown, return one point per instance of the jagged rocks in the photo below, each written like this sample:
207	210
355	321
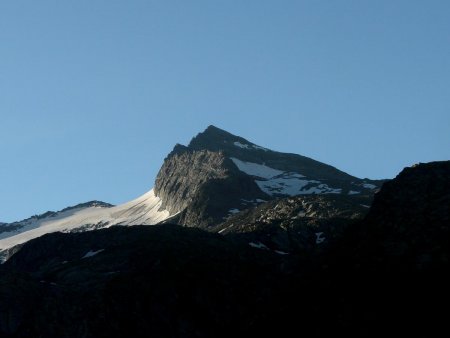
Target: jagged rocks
202	186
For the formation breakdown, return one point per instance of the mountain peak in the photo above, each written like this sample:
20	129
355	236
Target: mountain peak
213	128
216	139
211	137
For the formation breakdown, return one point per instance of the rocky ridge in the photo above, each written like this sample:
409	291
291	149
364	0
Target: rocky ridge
219	172
386	273
205	183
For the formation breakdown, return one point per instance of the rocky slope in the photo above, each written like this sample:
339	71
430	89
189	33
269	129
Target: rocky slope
219	173
201	185
410	216
387	274
295	224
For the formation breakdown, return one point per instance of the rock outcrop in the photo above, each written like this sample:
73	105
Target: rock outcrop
410	216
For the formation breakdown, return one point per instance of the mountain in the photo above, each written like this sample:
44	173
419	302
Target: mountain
410	217
83	217
218	174
295	224
386	274
205	183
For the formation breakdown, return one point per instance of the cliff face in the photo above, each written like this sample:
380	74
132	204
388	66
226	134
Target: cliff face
183	174
201	186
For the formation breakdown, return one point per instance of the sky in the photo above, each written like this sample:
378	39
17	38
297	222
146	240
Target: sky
95	93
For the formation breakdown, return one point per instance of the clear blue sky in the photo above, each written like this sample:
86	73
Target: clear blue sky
94	94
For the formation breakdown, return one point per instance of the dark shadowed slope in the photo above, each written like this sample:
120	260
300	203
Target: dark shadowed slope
169	281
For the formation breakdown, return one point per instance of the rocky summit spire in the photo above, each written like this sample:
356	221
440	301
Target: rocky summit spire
213	138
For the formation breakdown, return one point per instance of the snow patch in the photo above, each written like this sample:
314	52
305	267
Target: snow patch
233	211
319	238
258	245
241	145
293	185
255	201
369	186
365	206
255	169
92	253
260	148
281	252
353	192
277	182
221	231
249	146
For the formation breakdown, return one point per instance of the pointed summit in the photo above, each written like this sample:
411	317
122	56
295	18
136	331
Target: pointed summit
212	138
216	139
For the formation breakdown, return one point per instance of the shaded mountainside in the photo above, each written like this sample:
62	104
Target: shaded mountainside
296	224
410	216
171	281
162	281
218	172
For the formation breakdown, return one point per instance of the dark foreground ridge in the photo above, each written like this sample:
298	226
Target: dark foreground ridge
386	275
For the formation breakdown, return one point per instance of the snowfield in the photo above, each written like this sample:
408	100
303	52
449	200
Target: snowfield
277	182
145	210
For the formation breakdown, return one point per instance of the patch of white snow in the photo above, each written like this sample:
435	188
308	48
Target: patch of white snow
248	146
260	148
241	145
255	169
277	182
92	253
319	238
258	245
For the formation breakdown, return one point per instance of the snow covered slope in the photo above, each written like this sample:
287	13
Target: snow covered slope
145	210
277	182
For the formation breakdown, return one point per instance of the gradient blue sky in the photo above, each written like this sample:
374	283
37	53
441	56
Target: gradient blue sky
95	93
